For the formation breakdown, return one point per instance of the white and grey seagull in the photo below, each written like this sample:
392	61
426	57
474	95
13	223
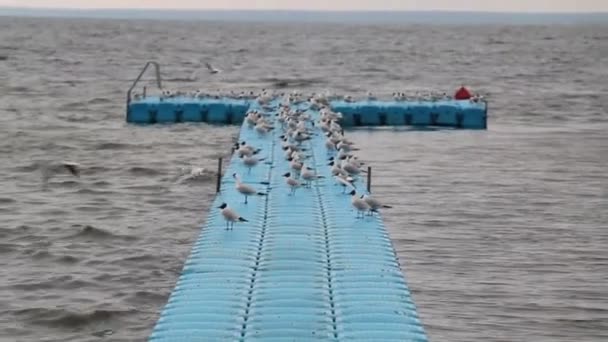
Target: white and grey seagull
359	204
374	204
292	183
245	189
230	216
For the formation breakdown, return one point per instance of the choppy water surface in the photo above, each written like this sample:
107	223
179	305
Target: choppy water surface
502	233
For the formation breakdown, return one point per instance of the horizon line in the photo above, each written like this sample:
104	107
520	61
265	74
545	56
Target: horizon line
96	9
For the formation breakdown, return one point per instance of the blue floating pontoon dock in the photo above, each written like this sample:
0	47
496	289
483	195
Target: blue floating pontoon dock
448	113
303	268
224	110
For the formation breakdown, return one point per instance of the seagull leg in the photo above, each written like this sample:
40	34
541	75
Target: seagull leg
245	199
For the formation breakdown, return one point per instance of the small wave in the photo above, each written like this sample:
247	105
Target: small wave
64	282
113	146
144	171
98	100
182	79
97	169
140	258
41	254
68	183
62	318
295	82
159	201
87	209
90	232
19	89
148	297
7	248
496	42
79	118
72	105
373	69
64	61
67	259
87	191
149	188
6	200
102	183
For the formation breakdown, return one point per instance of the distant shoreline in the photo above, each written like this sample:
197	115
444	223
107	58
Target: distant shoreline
350	17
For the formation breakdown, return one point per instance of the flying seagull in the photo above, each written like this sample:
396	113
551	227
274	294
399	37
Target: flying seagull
211	69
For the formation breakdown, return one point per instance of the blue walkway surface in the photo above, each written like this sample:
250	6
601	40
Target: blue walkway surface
448	113
302	269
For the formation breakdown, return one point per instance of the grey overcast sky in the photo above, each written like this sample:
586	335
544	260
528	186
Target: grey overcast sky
339	5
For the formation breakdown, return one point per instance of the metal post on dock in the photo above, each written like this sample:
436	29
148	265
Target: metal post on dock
145	90
369	179
219	175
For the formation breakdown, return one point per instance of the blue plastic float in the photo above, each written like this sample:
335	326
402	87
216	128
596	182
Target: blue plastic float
451	113
227	110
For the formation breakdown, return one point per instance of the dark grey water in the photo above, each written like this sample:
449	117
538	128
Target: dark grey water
503	233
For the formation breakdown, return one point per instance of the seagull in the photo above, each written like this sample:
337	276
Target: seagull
252	118
295	165
230	216
359	204
245	189
351	167
374	204
309	175
293	183
245	150
262	127
345	182
336	170
211	69
251	161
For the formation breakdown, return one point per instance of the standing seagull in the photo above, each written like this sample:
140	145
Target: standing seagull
309	175
359	204
230	216
293	183
251	161
374	204
345	181
211	69
245	189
